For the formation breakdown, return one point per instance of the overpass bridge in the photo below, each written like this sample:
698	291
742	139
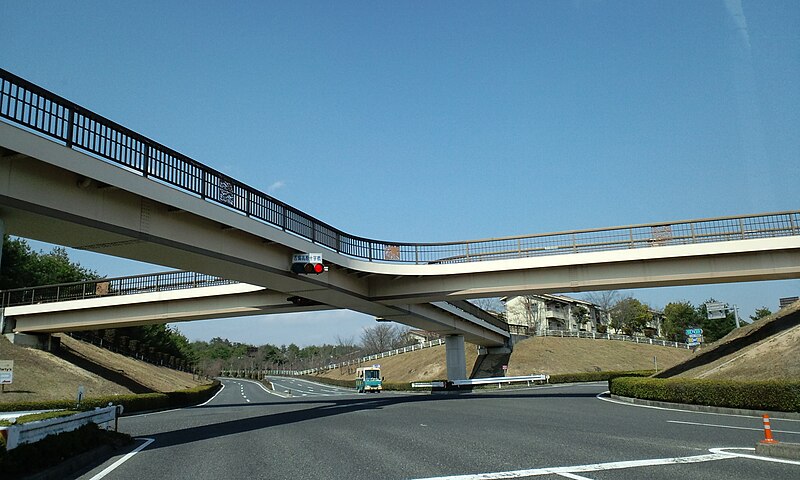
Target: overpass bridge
72	177
175	296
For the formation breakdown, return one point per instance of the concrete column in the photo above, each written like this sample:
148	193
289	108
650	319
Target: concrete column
456	357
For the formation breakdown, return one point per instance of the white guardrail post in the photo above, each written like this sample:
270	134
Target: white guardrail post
34	431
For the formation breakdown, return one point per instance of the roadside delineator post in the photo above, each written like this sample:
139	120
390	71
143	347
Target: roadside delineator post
767	431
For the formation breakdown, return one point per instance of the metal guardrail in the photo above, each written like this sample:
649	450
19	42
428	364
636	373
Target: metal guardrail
483	381
30	106
34	431
611	336
107	287
501	380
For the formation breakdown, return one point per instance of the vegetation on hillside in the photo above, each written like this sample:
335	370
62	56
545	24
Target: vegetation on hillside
23	267
221	354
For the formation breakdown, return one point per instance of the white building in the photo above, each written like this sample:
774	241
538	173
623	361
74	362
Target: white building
538	314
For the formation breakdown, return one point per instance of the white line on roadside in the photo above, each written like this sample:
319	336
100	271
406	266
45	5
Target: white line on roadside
573	476
595	467
266	390
124	459
753	457
599	396
730	426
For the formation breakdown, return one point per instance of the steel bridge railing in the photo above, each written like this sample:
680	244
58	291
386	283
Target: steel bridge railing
32	107
108	287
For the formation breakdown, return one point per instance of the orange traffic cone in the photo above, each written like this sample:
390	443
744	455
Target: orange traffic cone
767	431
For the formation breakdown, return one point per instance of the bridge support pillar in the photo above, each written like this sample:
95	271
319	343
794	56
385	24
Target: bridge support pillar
456	357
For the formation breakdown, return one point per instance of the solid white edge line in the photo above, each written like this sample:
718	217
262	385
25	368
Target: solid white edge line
124	459
222	387
618	402
595	467
573	476
730	426
753	457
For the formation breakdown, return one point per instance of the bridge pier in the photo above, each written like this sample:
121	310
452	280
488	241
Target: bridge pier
456	357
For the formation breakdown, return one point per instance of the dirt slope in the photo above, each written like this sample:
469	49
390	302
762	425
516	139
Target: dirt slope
535	355
40	375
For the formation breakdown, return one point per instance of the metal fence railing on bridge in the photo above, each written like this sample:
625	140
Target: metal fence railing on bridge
29	106
106	287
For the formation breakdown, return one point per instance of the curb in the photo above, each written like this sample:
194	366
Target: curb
709	409
788	451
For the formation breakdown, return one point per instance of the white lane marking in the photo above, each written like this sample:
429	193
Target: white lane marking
222	387
573	476
753	457
124	459
617	402
730	426
594	467
266	390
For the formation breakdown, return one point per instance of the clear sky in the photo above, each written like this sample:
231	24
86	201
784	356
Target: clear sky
449	120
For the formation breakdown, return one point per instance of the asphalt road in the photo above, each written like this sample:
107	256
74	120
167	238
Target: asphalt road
551	432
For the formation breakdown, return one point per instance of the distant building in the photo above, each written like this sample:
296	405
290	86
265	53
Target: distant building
538	314
421	336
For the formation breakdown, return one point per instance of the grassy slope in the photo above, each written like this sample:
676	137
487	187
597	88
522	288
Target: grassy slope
776	357
535	355
40	375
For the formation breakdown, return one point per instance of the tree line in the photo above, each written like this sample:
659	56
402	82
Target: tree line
21	266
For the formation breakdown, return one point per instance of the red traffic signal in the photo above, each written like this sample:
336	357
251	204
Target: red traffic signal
308	268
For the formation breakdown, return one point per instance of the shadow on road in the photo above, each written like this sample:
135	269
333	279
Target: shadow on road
310	409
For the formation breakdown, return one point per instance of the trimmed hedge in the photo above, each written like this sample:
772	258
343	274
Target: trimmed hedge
131	403
763	395
597	376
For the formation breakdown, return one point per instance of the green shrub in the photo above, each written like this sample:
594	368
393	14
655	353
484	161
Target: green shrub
764	395
597	376
35	417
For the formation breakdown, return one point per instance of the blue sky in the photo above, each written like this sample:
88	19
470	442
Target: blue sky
442	121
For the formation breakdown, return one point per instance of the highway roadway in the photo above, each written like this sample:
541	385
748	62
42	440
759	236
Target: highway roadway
305	430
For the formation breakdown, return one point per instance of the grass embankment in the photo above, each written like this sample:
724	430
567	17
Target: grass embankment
756	367
42	376
550	355
43	381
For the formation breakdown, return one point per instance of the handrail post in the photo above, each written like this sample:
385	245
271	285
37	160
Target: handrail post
146	163
70	121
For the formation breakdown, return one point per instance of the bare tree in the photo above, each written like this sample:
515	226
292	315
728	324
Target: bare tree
382	337
605	299
526	309
491	304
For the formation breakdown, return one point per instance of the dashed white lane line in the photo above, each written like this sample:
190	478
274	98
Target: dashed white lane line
730	426
595	467
124	459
